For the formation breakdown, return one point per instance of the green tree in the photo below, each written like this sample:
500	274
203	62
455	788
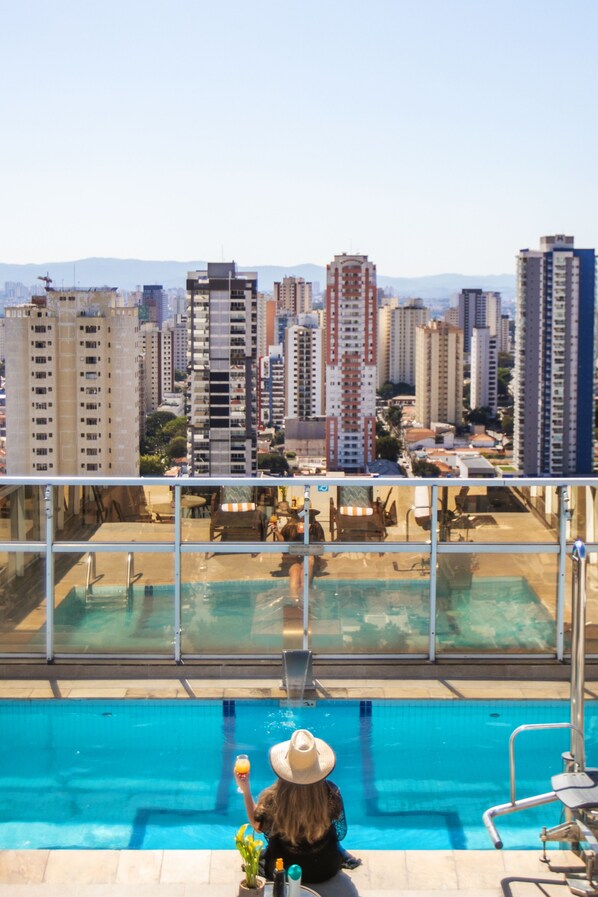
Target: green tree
388	447
273	461
479	415
424	468
180	376
394	416
278	438
507	424
389	390
151	466
176	448
176	427
156	421
504	377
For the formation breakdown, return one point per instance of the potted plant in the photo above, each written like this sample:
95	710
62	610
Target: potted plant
252	885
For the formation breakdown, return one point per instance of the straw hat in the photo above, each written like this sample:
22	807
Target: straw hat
283	509
303	760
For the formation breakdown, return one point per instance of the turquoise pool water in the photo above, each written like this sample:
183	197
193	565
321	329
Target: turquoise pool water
356	616
148	774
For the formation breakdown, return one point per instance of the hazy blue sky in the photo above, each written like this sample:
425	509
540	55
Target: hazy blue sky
433	135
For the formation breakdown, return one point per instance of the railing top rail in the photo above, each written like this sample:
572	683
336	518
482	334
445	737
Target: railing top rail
182	482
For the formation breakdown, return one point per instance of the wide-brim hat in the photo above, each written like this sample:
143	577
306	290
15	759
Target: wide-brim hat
303	759
283	509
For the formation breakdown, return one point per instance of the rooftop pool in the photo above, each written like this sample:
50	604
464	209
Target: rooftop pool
157	774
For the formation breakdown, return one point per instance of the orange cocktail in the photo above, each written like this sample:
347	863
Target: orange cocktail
242	765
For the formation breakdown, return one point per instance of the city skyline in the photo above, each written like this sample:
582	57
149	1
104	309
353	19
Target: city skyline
424	136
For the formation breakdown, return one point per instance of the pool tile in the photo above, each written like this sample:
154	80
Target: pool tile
23	866
380	868
431	869
22	692
83	866
185	866
141	866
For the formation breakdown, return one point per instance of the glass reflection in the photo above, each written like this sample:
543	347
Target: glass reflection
22	603
114	603
496	603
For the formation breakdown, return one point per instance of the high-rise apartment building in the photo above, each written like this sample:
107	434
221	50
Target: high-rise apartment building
271	389
72	378
403	323
472	313
304	373
293	294
266	314
554	359
178	327
484	370
157	365
153	305
439	374
351	333
222	326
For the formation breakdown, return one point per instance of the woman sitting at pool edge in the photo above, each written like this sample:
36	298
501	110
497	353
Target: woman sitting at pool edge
301	815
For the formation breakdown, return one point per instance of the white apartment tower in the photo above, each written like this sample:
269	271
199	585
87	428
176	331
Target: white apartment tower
222	325
157	366
484	370
72	377
439	374
554	359
404	322
351	333
271	400
293	294
304	373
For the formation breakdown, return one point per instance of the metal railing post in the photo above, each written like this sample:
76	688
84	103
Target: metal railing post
433	575
49	508
177	573
564	517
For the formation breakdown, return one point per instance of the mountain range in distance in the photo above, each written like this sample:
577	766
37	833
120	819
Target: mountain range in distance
130	274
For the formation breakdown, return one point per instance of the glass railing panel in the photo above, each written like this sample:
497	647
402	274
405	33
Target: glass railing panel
236	604
119	603
376	513
493	513
228	513
365	602
22	513
496	603
111	514
583	509
22	603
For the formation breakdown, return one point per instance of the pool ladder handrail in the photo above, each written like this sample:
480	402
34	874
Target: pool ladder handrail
527	802
91	573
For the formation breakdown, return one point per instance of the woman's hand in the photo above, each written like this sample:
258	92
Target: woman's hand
242	780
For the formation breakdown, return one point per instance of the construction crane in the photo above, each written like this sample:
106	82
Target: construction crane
47	280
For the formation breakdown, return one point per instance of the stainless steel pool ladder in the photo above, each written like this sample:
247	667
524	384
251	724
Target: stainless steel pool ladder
91	574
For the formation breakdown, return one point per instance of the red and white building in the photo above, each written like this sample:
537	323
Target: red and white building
351	334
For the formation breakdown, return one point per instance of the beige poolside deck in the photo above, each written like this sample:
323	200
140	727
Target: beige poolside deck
384	873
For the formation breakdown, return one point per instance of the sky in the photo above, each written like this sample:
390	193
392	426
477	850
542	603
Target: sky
432	135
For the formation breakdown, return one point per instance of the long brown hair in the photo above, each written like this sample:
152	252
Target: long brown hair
299	812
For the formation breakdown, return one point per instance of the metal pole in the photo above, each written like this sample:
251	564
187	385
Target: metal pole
306	560
49	507
578	611
433	574
564	517
177	573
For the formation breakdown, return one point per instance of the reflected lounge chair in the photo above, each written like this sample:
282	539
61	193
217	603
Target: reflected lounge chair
358	518
235	516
